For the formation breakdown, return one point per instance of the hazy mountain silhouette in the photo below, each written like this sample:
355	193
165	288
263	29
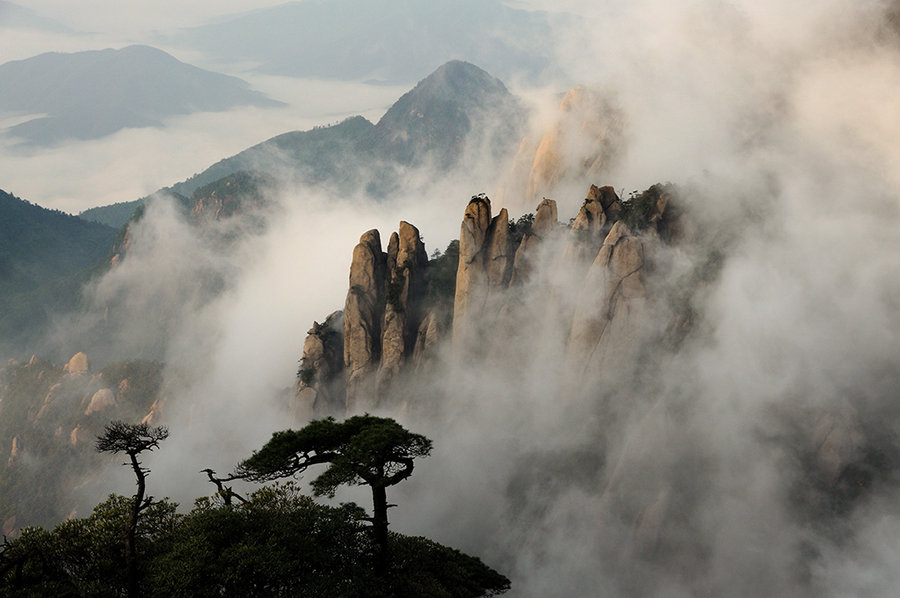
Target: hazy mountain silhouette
88	95
45	258
431	124
385	40
14	15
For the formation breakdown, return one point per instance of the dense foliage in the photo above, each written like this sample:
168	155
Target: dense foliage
519	228
278	543
115	215
363	450
440	278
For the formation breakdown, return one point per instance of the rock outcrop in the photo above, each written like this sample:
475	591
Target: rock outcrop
363	315
100	400
546	222
582	141
427	337
471	290
402	311
78	364
500	256
612	288
601	208
486	265
386	328
375	335
609	323
320	381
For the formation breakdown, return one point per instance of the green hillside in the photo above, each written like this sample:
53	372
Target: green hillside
45	258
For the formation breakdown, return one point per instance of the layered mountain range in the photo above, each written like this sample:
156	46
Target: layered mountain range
380	40
88	95
455	109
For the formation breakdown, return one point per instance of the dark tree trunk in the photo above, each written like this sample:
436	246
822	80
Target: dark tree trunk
380	529
131	533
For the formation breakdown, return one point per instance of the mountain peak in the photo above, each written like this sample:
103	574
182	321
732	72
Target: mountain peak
446	105
459	81
91	94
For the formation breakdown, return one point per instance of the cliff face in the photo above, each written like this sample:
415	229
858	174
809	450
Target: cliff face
594	309
388	329
350	362
581	142
404	291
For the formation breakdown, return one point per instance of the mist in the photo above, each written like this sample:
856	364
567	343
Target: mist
699	467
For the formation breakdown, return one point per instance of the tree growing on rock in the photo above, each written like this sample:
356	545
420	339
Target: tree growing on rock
132	439
363	450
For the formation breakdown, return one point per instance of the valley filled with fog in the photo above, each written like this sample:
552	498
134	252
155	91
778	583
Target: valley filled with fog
677	375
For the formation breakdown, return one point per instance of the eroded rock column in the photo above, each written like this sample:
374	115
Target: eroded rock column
363	320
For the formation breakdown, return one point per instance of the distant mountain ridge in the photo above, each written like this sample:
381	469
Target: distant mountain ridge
88	95
431	124
45	258
383	40
14	15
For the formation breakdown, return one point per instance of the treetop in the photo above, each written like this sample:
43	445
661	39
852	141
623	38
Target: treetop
121	437
362	449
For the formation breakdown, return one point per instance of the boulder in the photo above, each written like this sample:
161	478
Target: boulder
100	400
78	364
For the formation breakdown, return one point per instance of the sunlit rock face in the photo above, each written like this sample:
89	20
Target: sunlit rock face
600	210
546	223
581	141
363	318
101	400
471	290
77	365
386	330
406	262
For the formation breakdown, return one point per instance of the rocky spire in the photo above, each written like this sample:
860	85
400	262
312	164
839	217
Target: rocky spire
546	222
601	208
405	280
363	318
499	258
471	275
320	381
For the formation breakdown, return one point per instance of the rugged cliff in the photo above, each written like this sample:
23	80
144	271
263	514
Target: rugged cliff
593	317
389	328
